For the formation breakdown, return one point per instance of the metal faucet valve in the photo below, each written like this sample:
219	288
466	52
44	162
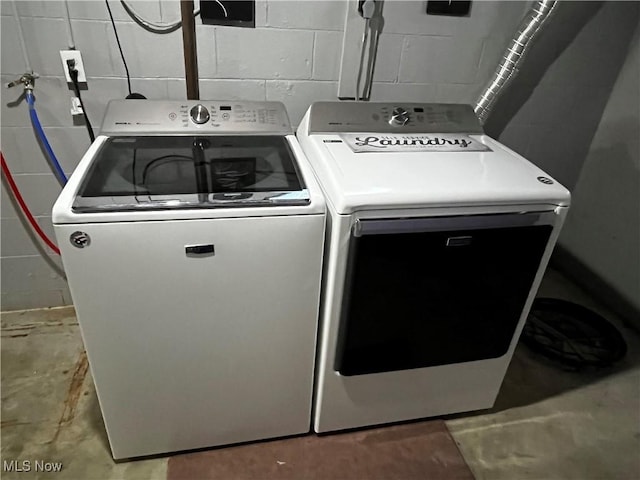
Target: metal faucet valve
27	79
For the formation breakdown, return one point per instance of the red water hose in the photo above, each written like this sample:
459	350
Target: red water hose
23	206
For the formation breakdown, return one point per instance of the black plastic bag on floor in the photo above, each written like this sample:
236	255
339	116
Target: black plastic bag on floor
572	335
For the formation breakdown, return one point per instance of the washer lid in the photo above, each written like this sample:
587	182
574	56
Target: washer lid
173	172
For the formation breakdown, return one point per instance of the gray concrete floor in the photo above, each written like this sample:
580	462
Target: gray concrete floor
547	423
550	423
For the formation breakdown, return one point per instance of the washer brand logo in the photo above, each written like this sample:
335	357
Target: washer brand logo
80	239
545	180
414	143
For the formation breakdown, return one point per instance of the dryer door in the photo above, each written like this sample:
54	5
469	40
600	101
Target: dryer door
436	291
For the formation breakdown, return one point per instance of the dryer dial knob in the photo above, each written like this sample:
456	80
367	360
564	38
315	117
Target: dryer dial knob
199	114
399	117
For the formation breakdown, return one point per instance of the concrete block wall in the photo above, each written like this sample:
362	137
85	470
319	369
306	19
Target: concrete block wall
437	57
294	56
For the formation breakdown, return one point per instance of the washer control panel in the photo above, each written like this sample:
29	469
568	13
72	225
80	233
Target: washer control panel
359	117
127	117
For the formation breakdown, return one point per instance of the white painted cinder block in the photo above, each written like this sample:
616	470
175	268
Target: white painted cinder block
97	10
24	155
50	103
206	46
16	242
457	93
149	54
40	8
39	191
11	60
403	92
97	43
485	17
6	8
35	299
44	38
7	207
440	59
102	90
69	145
326	55
312	15
262	7
388	60
299	95
264	53
221	89
33	273
170	10
12	107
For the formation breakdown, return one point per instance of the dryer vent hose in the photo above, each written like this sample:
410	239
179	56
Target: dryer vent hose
513	57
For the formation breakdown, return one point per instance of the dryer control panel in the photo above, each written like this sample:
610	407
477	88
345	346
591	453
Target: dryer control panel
361	117
189	117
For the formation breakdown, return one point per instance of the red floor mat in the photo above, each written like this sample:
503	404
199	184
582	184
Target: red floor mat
422	450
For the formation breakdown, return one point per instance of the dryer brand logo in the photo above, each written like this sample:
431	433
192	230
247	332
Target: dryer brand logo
414	143
80	239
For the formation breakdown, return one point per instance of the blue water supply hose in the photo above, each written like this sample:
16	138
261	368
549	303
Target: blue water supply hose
31	100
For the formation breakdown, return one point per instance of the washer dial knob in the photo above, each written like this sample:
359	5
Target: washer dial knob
399	117
199	114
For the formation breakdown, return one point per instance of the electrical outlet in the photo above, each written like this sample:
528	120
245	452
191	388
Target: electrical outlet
76	108
79	66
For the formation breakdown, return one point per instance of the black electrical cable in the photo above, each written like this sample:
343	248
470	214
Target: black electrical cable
73	73
126	67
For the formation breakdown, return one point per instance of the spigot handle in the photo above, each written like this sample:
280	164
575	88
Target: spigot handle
27	79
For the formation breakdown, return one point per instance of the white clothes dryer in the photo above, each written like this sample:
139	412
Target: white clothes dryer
438	237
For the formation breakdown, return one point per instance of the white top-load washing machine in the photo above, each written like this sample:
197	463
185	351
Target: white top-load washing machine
438	237
192	237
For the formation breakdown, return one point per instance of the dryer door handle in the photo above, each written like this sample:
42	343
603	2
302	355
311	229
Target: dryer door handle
363	227
207	249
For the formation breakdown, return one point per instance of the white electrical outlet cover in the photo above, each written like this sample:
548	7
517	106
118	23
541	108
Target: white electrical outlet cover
73	55
76	108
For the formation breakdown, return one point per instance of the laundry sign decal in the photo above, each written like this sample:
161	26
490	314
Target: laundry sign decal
433	142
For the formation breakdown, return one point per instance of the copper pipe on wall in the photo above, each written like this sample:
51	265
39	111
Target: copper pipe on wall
190	49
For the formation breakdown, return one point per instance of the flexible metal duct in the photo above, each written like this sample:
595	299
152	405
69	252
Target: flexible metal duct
512	59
